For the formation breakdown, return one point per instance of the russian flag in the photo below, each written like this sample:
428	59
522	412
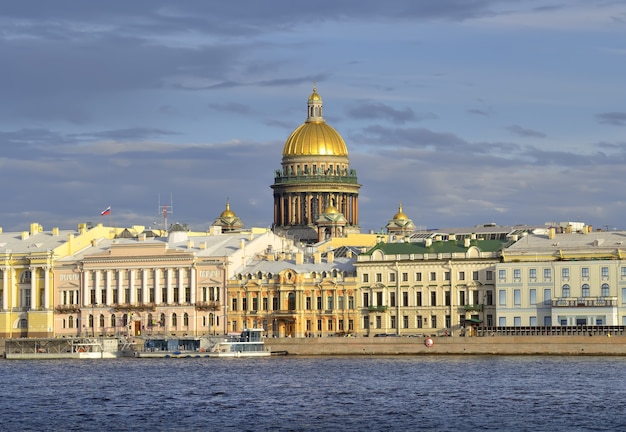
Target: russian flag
106	211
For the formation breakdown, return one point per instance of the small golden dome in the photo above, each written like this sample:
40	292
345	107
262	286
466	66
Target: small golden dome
400	215
315	95
331	209
228	213
315	139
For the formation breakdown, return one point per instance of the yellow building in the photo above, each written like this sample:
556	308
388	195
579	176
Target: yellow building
290	295
28	261
315	177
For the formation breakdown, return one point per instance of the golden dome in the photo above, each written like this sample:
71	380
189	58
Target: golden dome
315	139
228	213
400	215
331	209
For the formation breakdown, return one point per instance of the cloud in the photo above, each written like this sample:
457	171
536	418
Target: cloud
524	132
612	118
377	110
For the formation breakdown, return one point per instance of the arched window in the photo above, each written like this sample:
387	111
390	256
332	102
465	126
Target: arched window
64	323
25	276
174	320
605	290
259	275
113	324
101	321
313	275
186	319
150	321
334	273
90	320
291	301
566	290
70	322
162	320
586	292
324	274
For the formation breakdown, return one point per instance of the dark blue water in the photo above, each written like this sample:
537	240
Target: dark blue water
448	393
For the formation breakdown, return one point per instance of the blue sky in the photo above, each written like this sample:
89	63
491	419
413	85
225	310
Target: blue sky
467	112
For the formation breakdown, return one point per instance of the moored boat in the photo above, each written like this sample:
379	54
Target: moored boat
249	343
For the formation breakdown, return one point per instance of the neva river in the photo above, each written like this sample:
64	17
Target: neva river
447	393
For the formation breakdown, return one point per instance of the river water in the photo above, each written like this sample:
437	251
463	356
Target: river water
394	393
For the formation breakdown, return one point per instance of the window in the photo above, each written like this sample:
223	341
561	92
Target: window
255	303
393	321
433	298
489	299
462	275
366	299
446	276
532	273
501	274
319	303
405	277
392	277
244	304
392	299
489	275
379	277
418	321
623	296
517	273
329	302
605	290
566	291
418	276
605	272
308	303
461	298
234	305
533	321
547	296
547	274
565	273
623	272
502	321
366	278
584	272
433	276
350	302
517	297
586	292
475	275
405	298
517	321
533	296
433	321
378	322
502	299
418	300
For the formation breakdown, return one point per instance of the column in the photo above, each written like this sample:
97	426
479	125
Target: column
121	292
33	288
192	283
158	295
46	287
170	291
181	285
86	296
97	286
109	288
5	288
144	287
282	210
131	286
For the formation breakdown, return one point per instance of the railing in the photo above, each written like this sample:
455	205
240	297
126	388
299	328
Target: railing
377	308
473	307
584	302
582	330
208	306
281	179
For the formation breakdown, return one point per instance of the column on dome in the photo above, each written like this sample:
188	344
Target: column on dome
282	222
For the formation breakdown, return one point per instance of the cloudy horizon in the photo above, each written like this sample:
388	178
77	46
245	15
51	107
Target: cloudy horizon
467	113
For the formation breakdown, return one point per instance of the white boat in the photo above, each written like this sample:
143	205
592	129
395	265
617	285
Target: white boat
65	348
248	344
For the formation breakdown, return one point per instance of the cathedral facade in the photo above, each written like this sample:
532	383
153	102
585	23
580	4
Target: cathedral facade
316	193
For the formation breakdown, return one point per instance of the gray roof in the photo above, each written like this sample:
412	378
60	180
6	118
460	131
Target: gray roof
593	241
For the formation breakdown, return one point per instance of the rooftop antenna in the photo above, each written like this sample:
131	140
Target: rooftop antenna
164	209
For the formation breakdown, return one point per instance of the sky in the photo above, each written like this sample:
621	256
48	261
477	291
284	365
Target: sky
464	111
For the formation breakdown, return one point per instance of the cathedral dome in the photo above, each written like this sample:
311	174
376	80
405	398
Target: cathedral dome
314	137
228	213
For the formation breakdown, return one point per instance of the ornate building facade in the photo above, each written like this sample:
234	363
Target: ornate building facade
315	175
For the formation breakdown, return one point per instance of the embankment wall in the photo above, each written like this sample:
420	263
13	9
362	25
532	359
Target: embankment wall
505	345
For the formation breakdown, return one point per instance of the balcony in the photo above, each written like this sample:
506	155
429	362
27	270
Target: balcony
349	178
120	307
212	306
67	308
377	308
585	302
473	307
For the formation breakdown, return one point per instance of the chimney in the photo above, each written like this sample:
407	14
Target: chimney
35	228
473	236
55	231
317	258
25	235
466	243
330	257
551	233
428	242
189	244
299	258
203	245
141	237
